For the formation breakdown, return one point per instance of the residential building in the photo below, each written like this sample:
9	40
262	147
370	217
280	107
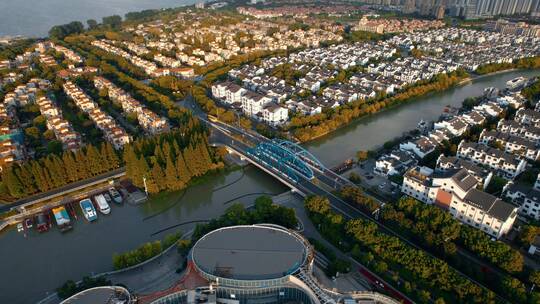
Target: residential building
394	163
482	175
510	144
505	164
485	212
526	197
421	146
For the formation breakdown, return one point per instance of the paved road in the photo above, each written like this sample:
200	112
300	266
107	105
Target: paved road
332	181
64	189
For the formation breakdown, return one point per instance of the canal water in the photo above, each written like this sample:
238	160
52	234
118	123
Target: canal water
373	131
31	267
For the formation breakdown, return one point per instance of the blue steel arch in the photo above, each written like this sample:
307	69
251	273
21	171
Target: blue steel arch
299	151
284	160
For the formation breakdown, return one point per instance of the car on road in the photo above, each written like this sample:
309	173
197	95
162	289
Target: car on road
381	186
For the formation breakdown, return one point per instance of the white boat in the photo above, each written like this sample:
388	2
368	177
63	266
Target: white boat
102	204
88	210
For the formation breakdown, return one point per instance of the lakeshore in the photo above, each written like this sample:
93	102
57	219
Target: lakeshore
34	18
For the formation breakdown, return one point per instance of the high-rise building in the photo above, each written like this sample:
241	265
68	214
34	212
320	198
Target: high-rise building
489	8
439	12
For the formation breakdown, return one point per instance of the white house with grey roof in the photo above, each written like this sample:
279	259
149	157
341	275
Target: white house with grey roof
489	109
457	126
482	175
526	197
518	129
396	162
528	117
484	211
473	118
437	187
505	164
421	146
512	144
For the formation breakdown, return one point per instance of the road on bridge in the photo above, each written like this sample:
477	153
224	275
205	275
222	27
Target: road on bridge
226	135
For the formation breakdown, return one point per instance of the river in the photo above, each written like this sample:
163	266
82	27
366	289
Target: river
34	18
33	266
373	131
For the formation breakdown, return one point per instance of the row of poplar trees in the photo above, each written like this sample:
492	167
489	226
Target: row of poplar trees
166	162
54	171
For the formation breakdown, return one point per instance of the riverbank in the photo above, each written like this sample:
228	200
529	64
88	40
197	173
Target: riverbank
90	246
413	99
370	132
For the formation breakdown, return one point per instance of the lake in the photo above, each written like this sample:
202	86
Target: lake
34	18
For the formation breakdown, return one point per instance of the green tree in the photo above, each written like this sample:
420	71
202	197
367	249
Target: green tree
317	204
25	176
184	174
54	147
92	24
171	177
113	21
362	155
71	166
13	183
93	159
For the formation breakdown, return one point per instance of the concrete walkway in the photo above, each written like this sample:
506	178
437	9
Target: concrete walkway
156	275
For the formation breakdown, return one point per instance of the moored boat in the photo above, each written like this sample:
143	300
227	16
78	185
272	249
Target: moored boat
115	195
107	197
62	218
102	204
41	222
88	210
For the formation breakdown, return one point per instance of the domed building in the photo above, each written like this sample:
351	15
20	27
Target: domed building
247	264
256	264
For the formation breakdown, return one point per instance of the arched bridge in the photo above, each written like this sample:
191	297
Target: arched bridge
290	159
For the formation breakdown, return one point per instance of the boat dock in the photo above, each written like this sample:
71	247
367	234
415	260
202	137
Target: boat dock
70	203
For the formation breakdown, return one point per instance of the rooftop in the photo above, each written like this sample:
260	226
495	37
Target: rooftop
249	253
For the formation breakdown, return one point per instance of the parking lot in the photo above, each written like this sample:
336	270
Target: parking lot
371	180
